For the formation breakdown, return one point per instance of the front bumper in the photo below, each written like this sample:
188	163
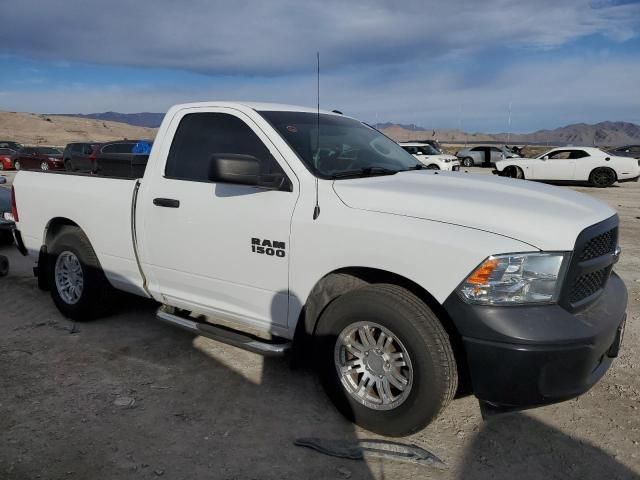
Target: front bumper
526	356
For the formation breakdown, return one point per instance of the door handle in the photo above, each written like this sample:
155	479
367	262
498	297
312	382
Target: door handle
166	202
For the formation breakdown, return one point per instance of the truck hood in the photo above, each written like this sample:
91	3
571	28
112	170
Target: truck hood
545	217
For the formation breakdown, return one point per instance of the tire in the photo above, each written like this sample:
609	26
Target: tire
4	266
17	165
467	162
6	238
68	166
44	166
602	177
430	373
433	166
1	166
94	296
513	171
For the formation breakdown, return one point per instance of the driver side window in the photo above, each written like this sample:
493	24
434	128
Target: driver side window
560	155
202	135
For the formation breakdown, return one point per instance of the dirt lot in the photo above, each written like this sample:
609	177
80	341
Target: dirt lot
127	397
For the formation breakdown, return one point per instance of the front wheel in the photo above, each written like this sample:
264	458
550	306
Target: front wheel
513	171
76	281
44	166
467	162
385	360
433	166
602	177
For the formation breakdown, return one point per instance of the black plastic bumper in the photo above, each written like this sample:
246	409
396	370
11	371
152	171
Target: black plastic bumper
634	179
525	356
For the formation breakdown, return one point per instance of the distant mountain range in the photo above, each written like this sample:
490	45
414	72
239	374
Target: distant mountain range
144	119
603	133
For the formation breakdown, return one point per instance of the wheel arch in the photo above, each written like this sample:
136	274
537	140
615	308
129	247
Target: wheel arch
607	167
341	281
52	228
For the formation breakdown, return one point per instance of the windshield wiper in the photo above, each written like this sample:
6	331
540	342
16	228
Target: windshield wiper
364	172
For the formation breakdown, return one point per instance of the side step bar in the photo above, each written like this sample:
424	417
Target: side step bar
226	335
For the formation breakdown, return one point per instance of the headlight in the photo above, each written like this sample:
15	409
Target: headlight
515	279
447	160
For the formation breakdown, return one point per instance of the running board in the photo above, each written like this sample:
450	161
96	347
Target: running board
226	335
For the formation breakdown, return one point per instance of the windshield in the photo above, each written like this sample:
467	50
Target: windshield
427	150
345	145
48	151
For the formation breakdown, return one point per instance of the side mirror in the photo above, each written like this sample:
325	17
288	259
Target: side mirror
546	157
243	170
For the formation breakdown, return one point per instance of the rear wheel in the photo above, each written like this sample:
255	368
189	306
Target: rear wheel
1	166
17	165
44	166
76	281
602	177
385	359
467	162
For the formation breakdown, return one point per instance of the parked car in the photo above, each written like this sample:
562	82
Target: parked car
6	219
483	155
122	158
632	151
6	158
378	271
430	157
9	144
42	158
80	156
573	164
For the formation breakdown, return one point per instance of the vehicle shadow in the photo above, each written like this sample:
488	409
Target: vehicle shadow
519	446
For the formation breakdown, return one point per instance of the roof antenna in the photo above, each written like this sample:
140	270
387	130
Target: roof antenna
316	210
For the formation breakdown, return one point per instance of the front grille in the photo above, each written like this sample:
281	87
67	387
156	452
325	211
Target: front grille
591	264
588	284
600	245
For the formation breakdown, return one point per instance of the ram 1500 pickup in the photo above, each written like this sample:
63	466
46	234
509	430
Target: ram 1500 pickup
402	285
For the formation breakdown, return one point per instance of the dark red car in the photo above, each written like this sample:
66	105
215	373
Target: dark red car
38	158
6	158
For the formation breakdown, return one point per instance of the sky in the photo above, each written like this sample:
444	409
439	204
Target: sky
447	64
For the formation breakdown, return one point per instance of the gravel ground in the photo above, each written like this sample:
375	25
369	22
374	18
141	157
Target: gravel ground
128	397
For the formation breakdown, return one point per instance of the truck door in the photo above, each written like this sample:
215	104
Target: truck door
216	248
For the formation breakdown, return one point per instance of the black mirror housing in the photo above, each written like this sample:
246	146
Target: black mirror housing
243	169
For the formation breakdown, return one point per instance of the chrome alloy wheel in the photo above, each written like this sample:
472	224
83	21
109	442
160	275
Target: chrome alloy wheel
373	365
69	277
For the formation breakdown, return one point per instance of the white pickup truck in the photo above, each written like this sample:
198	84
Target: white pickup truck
325	235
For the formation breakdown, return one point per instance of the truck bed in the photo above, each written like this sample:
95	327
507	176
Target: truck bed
100	206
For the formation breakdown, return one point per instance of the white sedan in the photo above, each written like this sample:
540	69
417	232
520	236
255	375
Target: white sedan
572	164
430	157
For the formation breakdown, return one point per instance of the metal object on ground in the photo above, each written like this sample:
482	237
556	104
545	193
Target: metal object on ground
361	449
